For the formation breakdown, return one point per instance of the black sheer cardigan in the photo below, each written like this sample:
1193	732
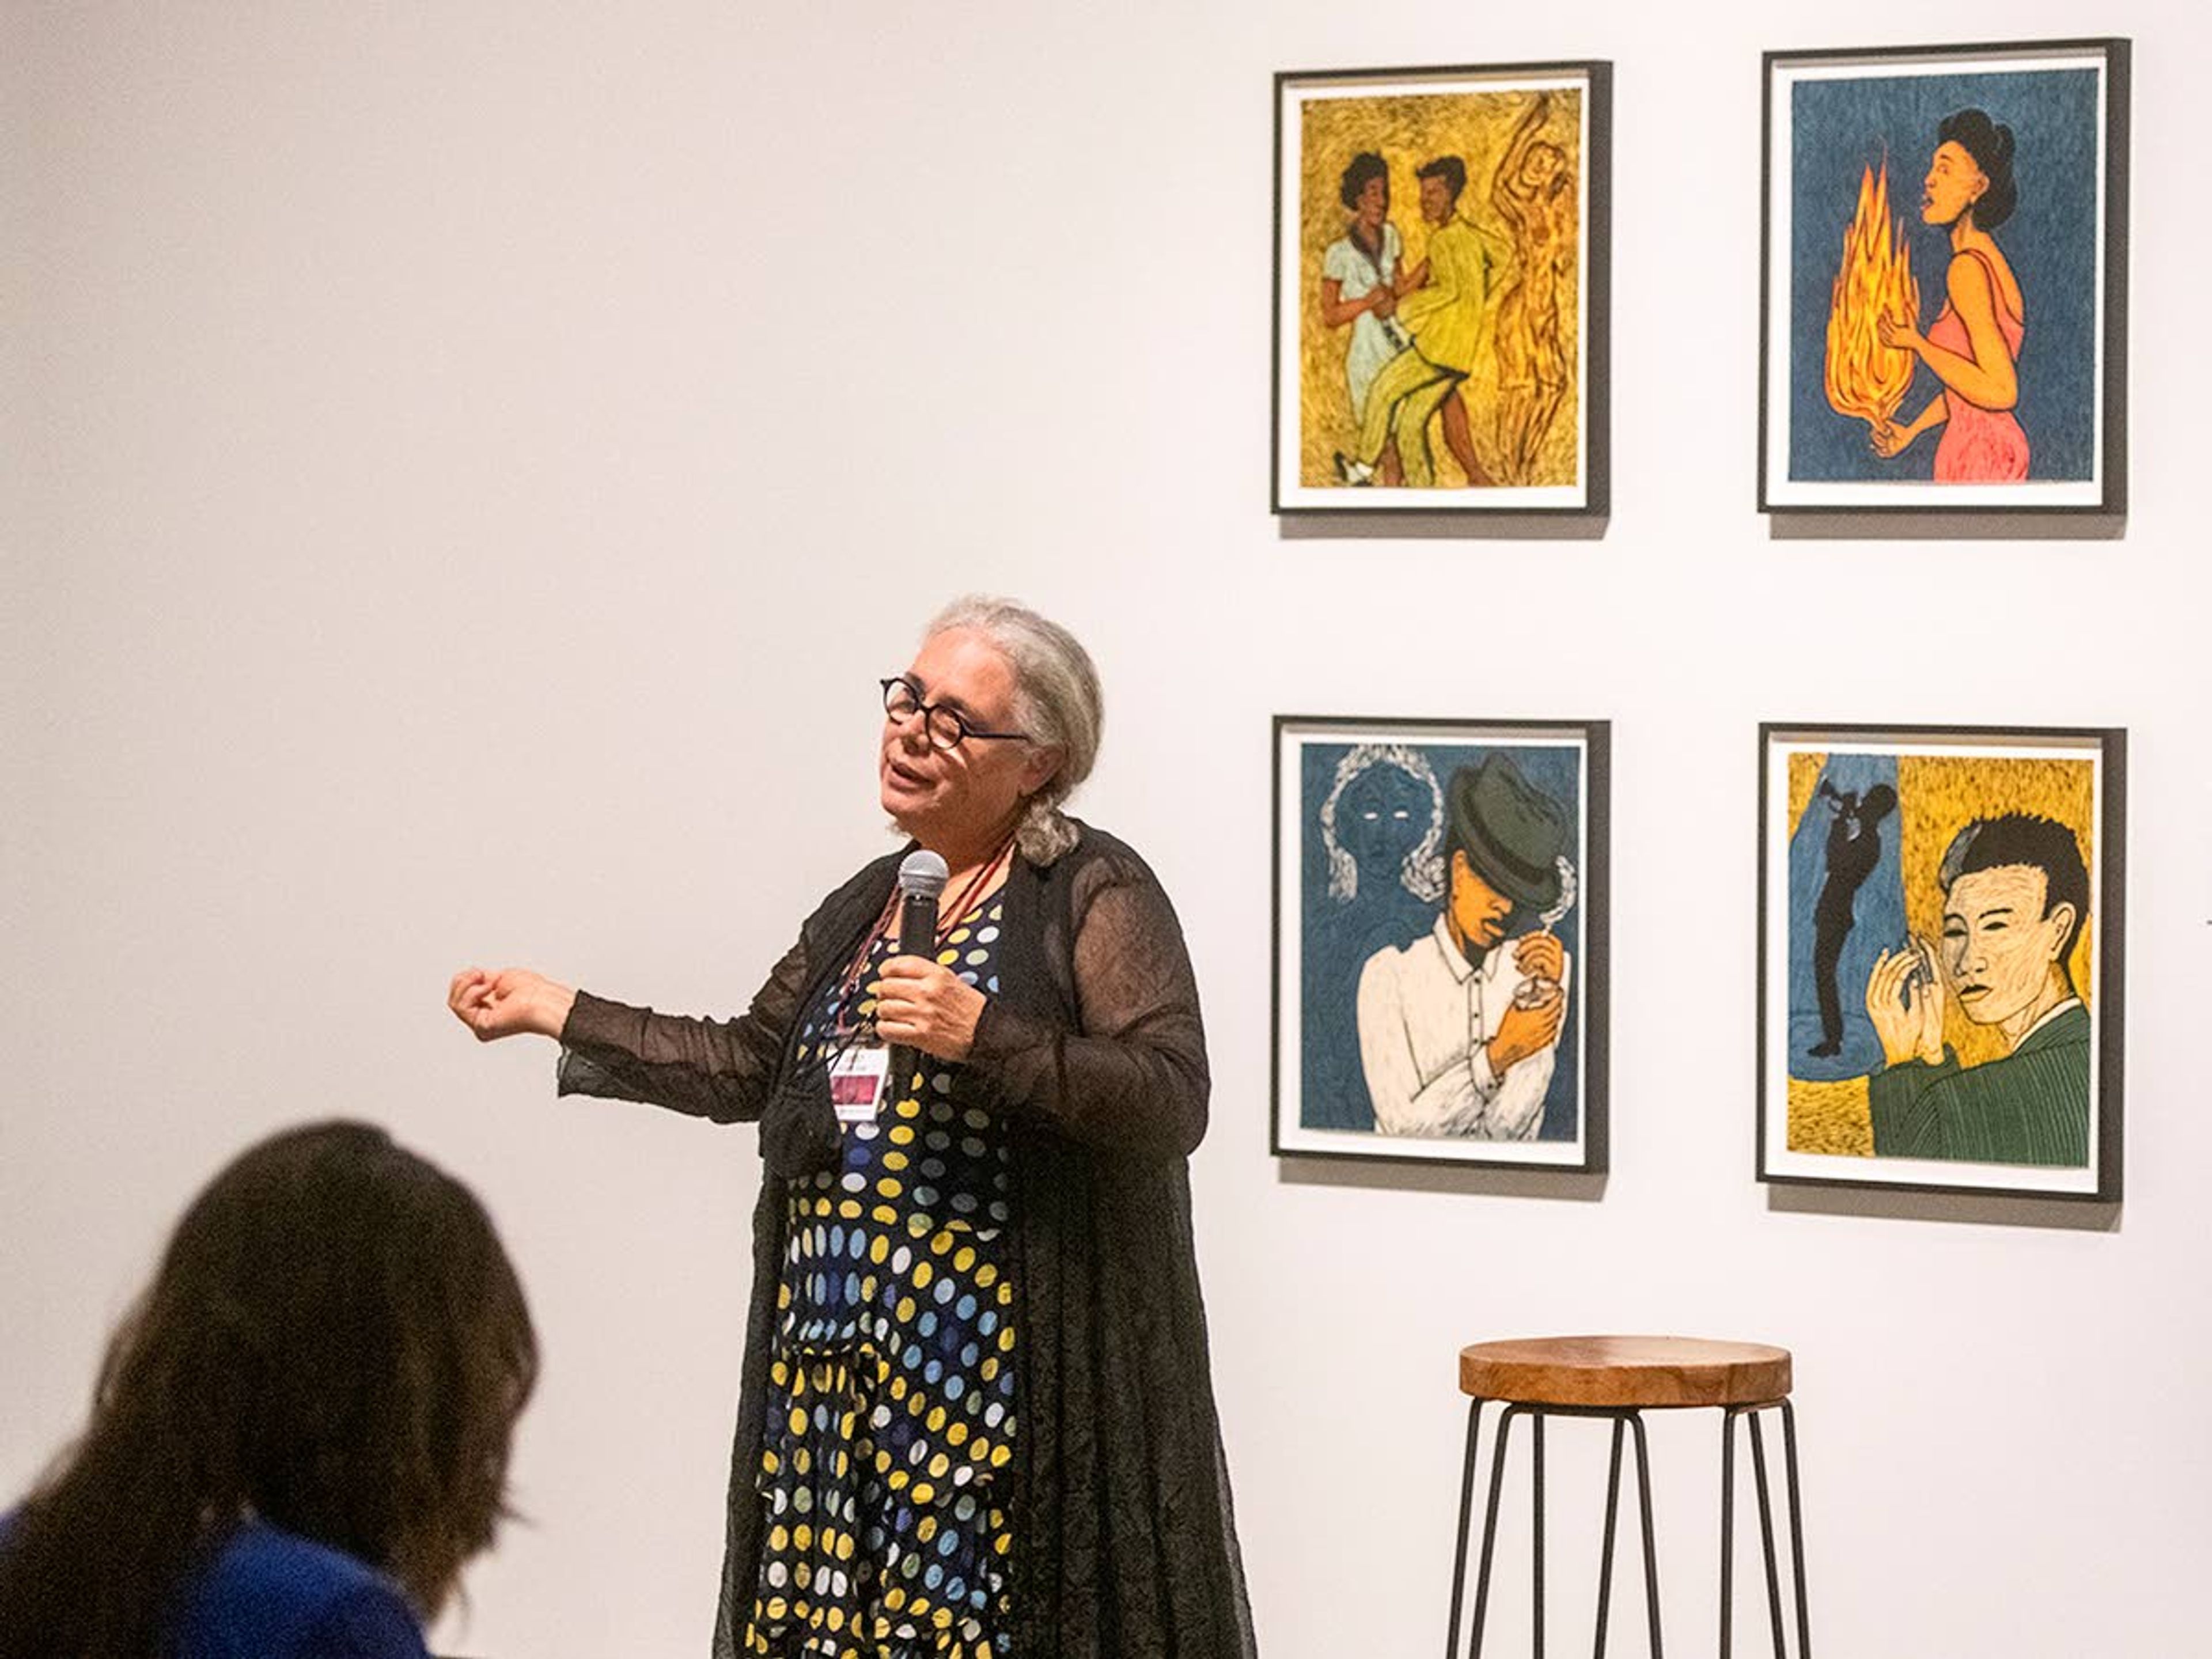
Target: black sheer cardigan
1125	1540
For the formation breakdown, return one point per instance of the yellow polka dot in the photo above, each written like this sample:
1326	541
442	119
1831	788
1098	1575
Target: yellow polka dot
990	1370
777	1607
948	958
923	1272
771	1461
894	1598
802	1536
899	1480
903	1134
778	1538
925	1528
889	1188
850	1209
904	1312
924	1492
941	1243
1001	1455
939	1465
908	1108
986	1276
957	1433
966	1258
1006	1341
937	1424
883	1214
894	1160
879	1248
797	1420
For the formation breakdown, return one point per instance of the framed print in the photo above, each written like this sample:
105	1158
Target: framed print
1440	269
1440	941
1943	291
1940	958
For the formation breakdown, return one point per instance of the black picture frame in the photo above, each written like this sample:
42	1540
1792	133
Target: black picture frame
1960	798
1295	488
2104	492
1324	1037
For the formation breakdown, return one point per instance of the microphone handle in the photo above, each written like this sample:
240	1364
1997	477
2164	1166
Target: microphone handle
917	937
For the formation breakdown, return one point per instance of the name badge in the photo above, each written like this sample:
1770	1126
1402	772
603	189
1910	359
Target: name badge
856	1084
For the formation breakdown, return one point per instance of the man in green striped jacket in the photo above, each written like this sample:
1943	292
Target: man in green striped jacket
2016	895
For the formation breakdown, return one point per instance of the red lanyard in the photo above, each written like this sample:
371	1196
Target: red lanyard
948	919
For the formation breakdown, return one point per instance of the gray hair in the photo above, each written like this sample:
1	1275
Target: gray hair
1421	871
1056	701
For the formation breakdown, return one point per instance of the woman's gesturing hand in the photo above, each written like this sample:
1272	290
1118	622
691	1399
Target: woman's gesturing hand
512	999
925	1005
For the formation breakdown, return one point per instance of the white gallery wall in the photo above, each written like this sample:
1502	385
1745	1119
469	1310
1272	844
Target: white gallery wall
463	468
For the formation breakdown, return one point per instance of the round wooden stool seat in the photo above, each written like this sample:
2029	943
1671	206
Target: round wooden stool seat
1624	1371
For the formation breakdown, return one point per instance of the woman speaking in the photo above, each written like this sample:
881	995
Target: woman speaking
976	1419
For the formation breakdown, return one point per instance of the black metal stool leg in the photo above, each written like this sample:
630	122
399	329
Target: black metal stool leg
1536	1429
1728	1532
1797	1529
1605	1557
1650	1546
1465	1515
1498	1445
1766	1529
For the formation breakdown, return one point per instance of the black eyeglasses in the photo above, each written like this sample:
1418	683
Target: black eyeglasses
946	728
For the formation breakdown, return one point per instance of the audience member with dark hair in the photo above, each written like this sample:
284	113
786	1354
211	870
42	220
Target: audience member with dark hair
301	1434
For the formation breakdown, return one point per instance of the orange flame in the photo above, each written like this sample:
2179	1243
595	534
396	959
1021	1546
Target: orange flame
1866	379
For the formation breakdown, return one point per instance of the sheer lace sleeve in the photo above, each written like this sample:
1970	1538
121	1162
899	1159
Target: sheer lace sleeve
722	1069
1133	1078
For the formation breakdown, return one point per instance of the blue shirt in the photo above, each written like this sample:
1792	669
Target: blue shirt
268	1594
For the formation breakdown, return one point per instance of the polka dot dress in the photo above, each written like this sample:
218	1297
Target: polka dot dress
890	1408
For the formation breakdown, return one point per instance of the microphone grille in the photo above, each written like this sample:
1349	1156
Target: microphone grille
922	873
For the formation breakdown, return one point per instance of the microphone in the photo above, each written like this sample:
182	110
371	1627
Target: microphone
922	877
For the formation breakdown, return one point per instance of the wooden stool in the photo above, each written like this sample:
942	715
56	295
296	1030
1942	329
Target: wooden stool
1618	1378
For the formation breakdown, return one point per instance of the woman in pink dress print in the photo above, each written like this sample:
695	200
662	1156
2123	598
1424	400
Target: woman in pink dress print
1974	346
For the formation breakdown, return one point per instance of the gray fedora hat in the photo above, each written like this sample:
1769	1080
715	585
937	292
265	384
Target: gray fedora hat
1514	834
